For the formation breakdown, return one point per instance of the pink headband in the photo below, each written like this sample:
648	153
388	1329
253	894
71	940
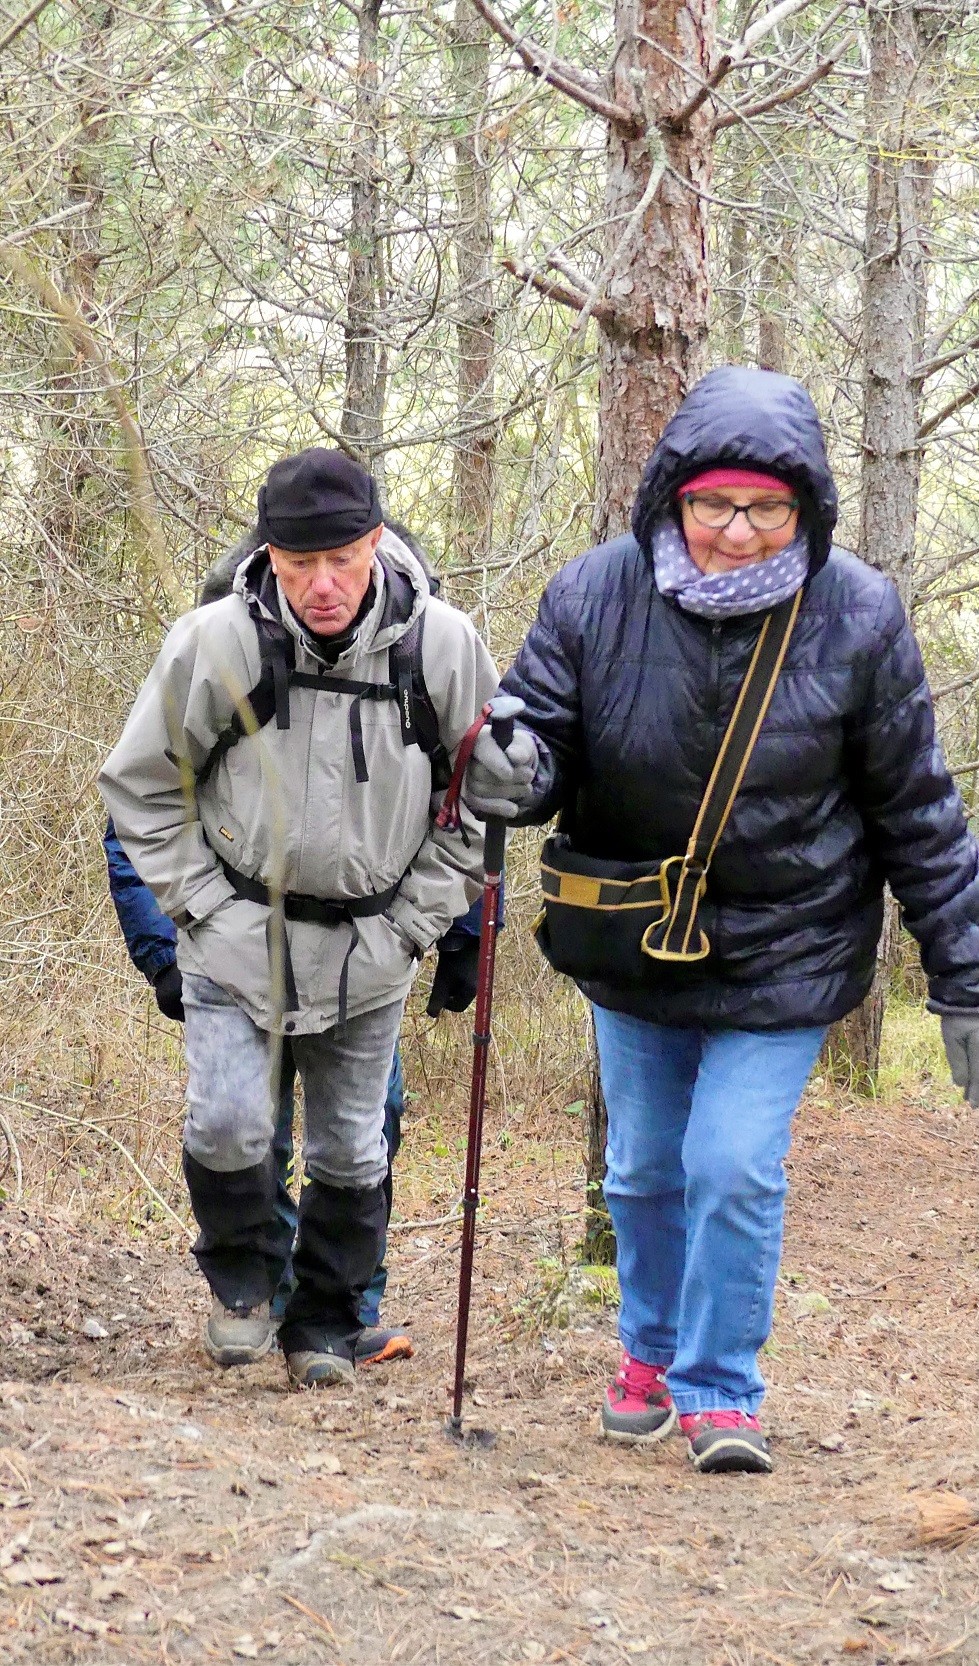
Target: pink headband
714	478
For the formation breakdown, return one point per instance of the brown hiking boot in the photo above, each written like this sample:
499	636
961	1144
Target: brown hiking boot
319	1367
238	1335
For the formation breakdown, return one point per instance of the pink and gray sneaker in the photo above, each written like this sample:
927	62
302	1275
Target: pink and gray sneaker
721	1441
637	1405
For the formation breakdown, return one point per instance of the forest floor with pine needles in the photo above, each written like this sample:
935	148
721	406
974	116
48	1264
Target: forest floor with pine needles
155	1510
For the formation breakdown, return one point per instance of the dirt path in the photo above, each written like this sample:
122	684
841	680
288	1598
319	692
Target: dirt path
152	1510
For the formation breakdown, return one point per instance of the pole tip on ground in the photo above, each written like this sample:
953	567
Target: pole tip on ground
469	1438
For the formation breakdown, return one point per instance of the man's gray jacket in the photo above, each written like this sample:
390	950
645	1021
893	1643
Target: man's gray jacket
285	807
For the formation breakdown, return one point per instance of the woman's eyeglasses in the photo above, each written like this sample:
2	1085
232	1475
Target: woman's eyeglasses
718	512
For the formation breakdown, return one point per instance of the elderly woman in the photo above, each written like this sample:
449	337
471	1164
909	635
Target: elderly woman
795	792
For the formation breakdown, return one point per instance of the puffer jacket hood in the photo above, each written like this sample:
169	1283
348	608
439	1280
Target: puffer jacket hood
740	417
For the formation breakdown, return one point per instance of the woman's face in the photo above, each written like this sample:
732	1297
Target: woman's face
725	549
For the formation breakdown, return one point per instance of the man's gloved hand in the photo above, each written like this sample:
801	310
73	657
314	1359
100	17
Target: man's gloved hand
454	983
168	989
498	785
960	1033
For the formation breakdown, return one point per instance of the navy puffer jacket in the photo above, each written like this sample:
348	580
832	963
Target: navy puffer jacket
629	697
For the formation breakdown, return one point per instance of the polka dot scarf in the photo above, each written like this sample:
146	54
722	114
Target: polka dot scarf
725	595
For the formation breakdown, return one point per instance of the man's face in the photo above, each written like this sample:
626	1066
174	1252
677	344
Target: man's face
325	588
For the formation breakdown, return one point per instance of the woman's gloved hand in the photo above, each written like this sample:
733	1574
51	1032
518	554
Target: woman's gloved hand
168	989
456	973
498	784
960	1033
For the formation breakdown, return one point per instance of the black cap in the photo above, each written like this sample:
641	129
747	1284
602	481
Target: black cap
317	500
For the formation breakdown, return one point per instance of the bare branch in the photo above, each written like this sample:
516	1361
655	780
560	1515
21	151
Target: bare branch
18	27
560	75
961	399
678	119
765	25
921	372
69	318
817	73
560	292
968	681
949	324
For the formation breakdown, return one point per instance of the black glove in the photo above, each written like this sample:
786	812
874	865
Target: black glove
454	983
168	989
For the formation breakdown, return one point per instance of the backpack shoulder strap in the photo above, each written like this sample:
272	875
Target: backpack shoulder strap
419	719
270	696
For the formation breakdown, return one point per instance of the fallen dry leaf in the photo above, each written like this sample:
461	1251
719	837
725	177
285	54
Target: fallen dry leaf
32	1573
326	1462
898	1579
104	1590
80	1622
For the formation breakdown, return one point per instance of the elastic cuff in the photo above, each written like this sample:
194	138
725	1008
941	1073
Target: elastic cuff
418	928
154	964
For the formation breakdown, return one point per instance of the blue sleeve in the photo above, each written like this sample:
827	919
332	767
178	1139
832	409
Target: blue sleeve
151	937
467	926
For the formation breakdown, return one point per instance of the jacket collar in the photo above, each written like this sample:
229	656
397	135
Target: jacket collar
401	591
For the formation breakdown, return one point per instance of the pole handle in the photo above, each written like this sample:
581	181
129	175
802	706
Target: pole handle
503	709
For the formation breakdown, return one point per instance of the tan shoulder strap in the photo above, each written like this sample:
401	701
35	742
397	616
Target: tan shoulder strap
675	936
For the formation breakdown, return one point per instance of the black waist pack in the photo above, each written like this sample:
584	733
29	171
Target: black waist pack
610	922
596	913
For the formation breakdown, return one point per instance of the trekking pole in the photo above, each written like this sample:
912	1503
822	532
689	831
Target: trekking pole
500	713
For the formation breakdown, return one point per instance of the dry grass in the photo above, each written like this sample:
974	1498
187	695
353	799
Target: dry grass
946	1520
90	1082
154	1510
256	1524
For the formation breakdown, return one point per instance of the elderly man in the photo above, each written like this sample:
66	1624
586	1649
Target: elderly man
275	786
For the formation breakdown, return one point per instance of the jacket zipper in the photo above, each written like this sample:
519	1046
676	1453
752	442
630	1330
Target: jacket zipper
714	679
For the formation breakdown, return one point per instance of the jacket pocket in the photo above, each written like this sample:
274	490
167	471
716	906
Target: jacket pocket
230	947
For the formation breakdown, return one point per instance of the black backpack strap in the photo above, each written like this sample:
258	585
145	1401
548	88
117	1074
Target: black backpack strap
419	719
269	698
277	653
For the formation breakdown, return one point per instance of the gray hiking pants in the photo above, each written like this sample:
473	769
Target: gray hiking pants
232	1102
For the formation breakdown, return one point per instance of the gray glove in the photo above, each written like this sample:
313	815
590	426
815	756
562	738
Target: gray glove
499	785
960	1033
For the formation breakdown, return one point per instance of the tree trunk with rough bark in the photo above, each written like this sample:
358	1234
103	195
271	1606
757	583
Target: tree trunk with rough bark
362	420
473	483
599	1241
653	329
900	188
653	332
71	496
905	46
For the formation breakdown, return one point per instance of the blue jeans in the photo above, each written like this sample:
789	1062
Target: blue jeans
698	1130
285	1208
